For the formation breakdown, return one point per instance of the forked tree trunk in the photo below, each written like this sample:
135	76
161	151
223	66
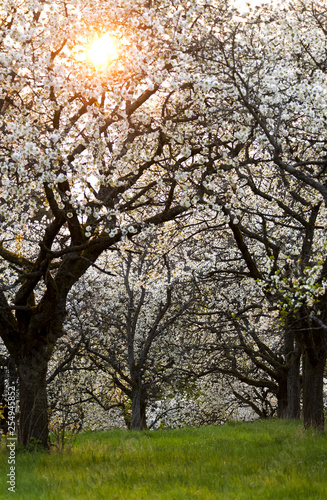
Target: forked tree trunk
31	332
33	419
314	362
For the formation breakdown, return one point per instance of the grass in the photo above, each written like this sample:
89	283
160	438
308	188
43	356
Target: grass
259	460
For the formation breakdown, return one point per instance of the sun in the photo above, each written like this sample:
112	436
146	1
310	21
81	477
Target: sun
102	51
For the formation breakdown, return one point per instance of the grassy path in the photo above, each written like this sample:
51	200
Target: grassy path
260	460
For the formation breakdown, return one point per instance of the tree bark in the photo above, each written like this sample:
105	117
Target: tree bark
314	362
294	385
292	351
138	410
34	420
32	350
282	398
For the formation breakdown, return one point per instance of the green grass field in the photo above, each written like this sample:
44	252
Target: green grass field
259	460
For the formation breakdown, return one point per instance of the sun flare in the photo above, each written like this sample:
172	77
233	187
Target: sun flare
102	50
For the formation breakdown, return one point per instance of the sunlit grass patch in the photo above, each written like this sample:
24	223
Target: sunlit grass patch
260	460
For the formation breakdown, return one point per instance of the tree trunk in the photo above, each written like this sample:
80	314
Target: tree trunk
292	351
138	410
314	362
294	384
282	399
34	420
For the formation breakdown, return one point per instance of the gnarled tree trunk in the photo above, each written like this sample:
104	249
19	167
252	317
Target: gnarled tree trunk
36	337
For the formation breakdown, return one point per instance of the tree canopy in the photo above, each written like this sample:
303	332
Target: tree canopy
199	110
